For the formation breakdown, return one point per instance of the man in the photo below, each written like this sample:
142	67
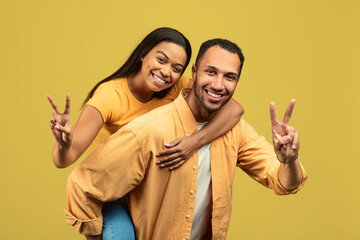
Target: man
195	200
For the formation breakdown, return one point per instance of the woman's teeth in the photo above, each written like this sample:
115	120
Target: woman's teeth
158	79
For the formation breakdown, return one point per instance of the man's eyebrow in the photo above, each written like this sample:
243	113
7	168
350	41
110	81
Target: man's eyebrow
228	73
167	58
212	67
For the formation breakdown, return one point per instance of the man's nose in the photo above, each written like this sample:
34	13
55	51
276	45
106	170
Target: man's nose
218	83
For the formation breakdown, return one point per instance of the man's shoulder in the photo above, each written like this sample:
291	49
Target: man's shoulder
155	120
241	125
241	131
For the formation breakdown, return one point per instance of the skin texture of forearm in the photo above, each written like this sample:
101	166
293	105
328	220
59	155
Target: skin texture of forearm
62	158
223	121
290	175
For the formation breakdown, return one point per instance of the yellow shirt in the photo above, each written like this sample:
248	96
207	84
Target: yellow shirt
118	107
161	201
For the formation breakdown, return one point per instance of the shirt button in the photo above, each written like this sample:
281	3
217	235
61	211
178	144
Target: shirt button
191	191
194	167
184	239
187	134
187	215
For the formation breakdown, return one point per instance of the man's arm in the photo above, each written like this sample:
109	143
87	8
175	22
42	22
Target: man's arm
290	175
286	146
111	171
257	158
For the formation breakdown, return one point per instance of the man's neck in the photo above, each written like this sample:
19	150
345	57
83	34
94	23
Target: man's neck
199	112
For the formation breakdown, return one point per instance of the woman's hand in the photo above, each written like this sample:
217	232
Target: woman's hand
60	123
71	143
178	152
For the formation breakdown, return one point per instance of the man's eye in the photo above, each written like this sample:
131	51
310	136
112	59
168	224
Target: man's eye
210	71
177	69
231	77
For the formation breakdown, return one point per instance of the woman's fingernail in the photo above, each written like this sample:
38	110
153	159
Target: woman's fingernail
157	162
162	165
294	146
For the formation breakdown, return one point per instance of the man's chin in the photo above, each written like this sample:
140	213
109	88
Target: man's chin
212	107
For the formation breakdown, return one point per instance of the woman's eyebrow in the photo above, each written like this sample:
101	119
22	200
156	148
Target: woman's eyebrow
161	52
167	58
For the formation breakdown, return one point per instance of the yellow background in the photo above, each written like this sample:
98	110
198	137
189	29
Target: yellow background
305	49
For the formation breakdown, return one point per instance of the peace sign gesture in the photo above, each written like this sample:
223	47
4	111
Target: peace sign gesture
285	138
60	123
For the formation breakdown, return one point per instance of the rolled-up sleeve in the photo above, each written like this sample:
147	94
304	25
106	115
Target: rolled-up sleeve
274	182
257	158
110	172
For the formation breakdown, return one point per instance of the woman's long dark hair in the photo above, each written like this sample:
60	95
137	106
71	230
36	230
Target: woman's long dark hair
133	63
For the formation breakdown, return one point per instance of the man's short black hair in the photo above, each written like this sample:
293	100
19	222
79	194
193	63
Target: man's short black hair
223	43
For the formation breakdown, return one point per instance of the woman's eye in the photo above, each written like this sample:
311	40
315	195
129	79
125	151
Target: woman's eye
161	59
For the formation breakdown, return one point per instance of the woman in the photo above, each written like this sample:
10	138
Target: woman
151	77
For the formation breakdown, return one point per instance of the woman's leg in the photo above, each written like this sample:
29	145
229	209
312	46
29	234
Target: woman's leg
117	223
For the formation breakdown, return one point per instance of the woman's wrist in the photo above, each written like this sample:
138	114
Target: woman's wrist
199	139
63	147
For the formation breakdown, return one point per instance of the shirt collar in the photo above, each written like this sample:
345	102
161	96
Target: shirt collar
186	116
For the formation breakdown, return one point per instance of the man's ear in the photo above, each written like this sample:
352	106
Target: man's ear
193	72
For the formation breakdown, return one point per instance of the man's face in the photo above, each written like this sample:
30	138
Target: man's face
215	78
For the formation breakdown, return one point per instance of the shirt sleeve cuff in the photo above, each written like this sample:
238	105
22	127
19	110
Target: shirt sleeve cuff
86	227
279	189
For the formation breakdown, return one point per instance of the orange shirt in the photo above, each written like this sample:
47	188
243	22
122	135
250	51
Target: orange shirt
162	202
118	106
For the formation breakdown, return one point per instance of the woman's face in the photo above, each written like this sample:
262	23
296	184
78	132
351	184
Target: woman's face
163	65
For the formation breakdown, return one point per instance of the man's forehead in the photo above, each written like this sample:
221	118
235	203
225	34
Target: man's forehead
221	59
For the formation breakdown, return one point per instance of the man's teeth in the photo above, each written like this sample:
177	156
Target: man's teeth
159	80
214	95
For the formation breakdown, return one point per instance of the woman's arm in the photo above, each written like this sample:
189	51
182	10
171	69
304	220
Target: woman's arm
72	143
182	148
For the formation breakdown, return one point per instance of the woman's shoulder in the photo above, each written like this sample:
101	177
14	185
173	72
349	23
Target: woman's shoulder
117	84
108	99
183	82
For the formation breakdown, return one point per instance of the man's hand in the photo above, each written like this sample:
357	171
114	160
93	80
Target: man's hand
285	138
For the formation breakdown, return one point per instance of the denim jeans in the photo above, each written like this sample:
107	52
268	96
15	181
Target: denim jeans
117	223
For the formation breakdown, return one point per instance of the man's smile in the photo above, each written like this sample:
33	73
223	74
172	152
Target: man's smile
213	96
